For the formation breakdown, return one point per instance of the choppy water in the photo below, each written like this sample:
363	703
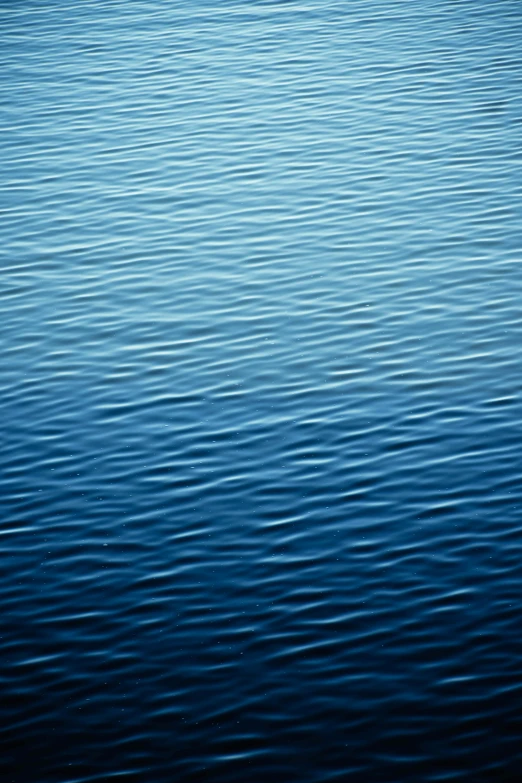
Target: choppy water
261	391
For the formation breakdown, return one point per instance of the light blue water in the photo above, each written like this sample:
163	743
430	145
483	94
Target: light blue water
261	391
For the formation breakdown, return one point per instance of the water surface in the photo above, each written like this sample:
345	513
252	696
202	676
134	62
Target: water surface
260	391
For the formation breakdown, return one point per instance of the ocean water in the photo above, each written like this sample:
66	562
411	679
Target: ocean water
261	402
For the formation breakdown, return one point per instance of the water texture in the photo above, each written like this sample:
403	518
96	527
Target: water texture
261	399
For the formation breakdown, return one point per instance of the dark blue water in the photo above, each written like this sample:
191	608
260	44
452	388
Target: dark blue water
261	391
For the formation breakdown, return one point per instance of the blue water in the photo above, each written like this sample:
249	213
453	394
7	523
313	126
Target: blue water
261	401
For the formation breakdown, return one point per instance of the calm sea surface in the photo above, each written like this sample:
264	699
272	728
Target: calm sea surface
261	391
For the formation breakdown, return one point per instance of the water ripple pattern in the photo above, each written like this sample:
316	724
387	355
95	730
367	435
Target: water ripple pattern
260	391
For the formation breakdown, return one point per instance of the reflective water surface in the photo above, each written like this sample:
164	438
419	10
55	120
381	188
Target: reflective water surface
261	400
